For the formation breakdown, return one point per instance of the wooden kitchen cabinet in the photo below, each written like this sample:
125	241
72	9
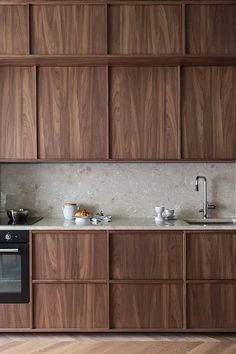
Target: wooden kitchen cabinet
69	271
73	113
211	29
146	290
14	33
18	138
144	119
71	256
211	287
146	255
211	255
70	306
128	281
144	29
209	113
68	29
211	306
146	306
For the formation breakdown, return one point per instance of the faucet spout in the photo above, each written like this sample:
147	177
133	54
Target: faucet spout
205	202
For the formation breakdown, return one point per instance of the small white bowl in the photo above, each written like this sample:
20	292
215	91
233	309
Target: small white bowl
83	220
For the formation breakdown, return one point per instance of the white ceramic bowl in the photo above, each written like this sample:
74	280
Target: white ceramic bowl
83	220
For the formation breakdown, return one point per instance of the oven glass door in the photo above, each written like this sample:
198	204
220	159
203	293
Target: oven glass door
14	273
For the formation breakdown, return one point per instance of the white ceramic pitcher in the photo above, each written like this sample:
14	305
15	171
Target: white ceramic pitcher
69	210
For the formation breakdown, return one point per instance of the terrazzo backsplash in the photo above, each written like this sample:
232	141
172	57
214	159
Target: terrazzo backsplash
119	189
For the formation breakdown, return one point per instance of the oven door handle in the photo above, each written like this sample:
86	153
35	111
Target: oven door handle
9	250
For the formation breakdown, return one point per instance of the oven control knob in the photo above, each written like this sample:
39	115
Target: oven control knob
8	236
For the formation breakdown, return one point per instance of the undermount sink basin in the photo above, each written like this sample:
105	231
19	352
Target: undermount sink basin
228	221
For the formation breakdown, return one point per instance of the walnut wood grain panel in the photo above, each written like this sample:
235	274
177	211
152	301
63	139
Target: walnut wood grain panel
209	112
17	113
14	33
161	255
144	113
146	306
14	316
69	256
211	256
211	29
73	113
211	306
70	306
69	29
145	29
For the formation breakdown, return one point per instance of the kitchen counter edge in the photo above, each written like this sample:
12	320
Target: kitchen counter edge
117	224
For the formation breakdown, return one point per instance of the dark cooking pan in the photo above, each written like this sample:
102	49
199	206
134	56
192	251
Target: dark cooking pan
17	214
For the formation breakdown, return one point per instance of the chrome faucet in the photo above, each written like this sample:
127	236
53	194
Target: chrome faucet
206	205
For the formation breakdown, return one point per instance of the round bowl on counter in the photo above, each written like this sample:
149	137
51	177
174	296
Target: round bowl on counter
82	220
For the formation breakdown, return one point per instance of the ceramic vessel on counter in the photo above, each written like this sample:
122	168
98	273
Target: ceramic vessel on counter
159	211
69	210
169	213
83	220
159	219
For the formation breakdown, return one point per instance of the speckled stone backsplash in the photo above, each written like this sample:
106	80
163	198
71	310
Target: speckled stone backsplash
120	189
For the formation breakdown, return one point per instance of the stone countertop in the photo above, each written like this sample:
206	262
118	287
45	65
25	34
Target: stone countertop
116	224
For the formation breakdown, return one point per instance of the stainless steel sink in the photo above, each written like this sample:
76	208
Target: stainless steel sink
223	221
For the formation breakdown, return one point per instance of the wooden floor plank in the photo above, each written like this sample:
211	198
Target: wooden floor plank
215	348
122	348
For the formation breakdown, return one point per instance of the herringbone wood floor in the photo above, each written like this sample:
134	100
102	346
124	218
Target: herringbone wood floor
117	344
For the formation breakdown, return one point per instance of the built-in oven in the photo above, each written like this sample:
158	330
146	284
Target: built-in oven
14	266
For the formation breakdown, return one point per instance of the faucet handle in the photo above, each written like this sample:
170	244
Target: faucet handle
211	206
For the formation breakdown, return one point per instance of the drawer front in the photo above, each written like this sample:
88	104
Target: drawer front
70	306
70	256
146	306
211	306
14	315
211	256
146	255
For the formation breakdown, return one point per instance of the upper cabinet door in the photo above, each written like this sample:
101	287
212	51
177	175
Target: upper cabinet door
14	29
211	29
145	29
73	113
69	29
144	113
209	113
18	113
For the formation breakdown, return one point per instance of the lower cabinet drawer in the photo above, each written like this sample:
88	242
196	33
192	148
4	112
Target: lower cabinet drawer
14	315
70	306
211	306
146	306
